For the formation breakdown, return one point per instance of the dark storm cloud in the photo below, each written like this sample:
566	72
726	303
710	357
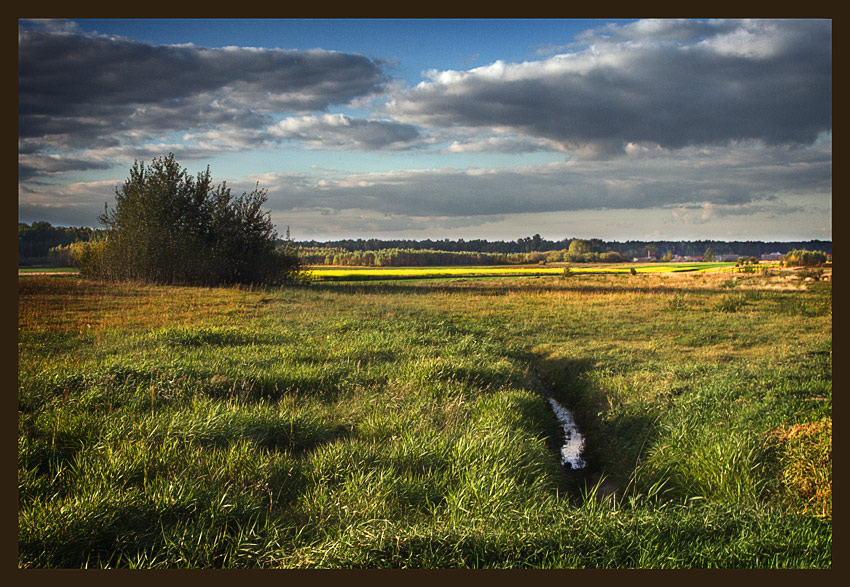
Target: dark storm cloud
30	167
82	88
702	83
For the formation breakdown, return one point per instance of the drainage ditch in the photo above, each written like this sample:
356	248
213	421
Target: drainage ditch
573	441
579	475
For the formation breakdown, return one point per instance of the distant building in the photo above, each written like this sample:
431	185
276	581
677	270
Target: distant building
772	257
651	256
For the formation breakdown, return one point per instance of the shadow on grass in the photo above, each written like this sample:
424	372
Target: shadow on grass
138	530
613	441
498	286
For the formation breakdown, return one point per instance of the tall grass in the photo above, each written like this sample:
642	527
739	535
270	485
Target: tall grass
406	424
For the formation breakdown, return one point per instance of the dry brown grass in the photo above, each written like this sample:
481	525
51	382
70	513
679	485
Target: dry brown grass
805	455
50	303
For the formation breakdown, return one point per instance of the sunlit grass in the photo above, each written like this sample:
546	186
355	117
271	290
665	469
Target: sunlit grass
404	423
25	270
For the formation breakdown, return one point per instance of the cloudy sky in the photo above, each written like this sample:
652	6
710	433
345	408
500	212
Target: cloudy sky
496	129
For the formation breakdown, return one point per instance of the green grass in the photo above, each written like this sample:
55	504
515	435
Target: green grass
404	424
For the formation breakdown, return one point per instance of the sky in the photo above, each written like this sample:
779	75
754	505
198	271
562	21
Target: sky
416	128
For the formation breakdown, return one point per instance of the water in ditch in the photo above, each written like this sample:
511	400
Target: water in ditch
573	446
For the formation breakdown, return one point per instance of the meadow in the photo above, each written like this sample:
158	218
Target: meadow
406	423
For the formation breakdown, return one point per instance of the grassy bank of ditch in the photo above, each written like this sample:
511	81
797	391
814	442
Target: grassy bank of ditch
406	425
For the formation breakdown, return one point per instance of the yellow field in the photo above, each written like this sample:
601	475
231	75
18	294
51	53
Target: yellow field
320	272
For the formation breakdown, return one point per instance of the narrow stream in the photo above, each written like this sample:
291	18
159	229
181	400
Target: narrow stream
573	440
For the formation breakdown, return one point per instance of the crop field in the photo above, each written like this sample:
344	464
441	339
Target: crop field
322	273
406	423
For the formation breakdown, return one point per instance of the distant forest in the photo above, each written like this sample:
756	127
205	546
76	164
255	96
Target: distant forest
36	241
627	249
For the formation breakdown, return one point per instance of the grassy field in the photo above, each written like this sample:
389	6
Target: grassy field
405	424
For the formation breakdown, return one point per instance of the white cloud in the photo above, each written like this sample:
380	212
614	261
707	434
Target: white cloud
338	131
769	81
752	40
502	144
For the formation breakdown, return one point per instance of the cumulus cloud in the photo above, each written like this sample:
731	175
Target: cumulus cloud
654	29
333	131
89	91
670	84
502	144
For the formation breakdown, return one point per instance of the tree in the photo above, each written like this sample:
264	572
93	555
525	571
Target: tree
708	256
805	258
529	243
536	242
612	257
579	246
168	227
580	251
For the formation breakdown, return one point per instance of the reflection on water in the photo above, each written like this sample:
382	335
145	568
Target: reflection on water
573	440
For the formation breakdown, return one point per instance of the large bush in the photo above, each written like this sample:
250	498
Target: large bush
168	227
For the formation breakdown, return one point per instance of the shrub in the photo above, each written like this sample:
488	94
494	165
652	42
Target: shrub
168	227
59	256
730	304
814	274
89	256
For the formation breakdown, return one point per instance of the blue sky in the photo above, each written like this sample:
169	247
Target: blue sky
498	129
437	43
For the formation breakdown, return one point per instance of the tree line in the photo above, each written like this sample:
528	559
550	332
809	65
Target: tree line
577	251
627	249
395	257
398	257
36	240
41	243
